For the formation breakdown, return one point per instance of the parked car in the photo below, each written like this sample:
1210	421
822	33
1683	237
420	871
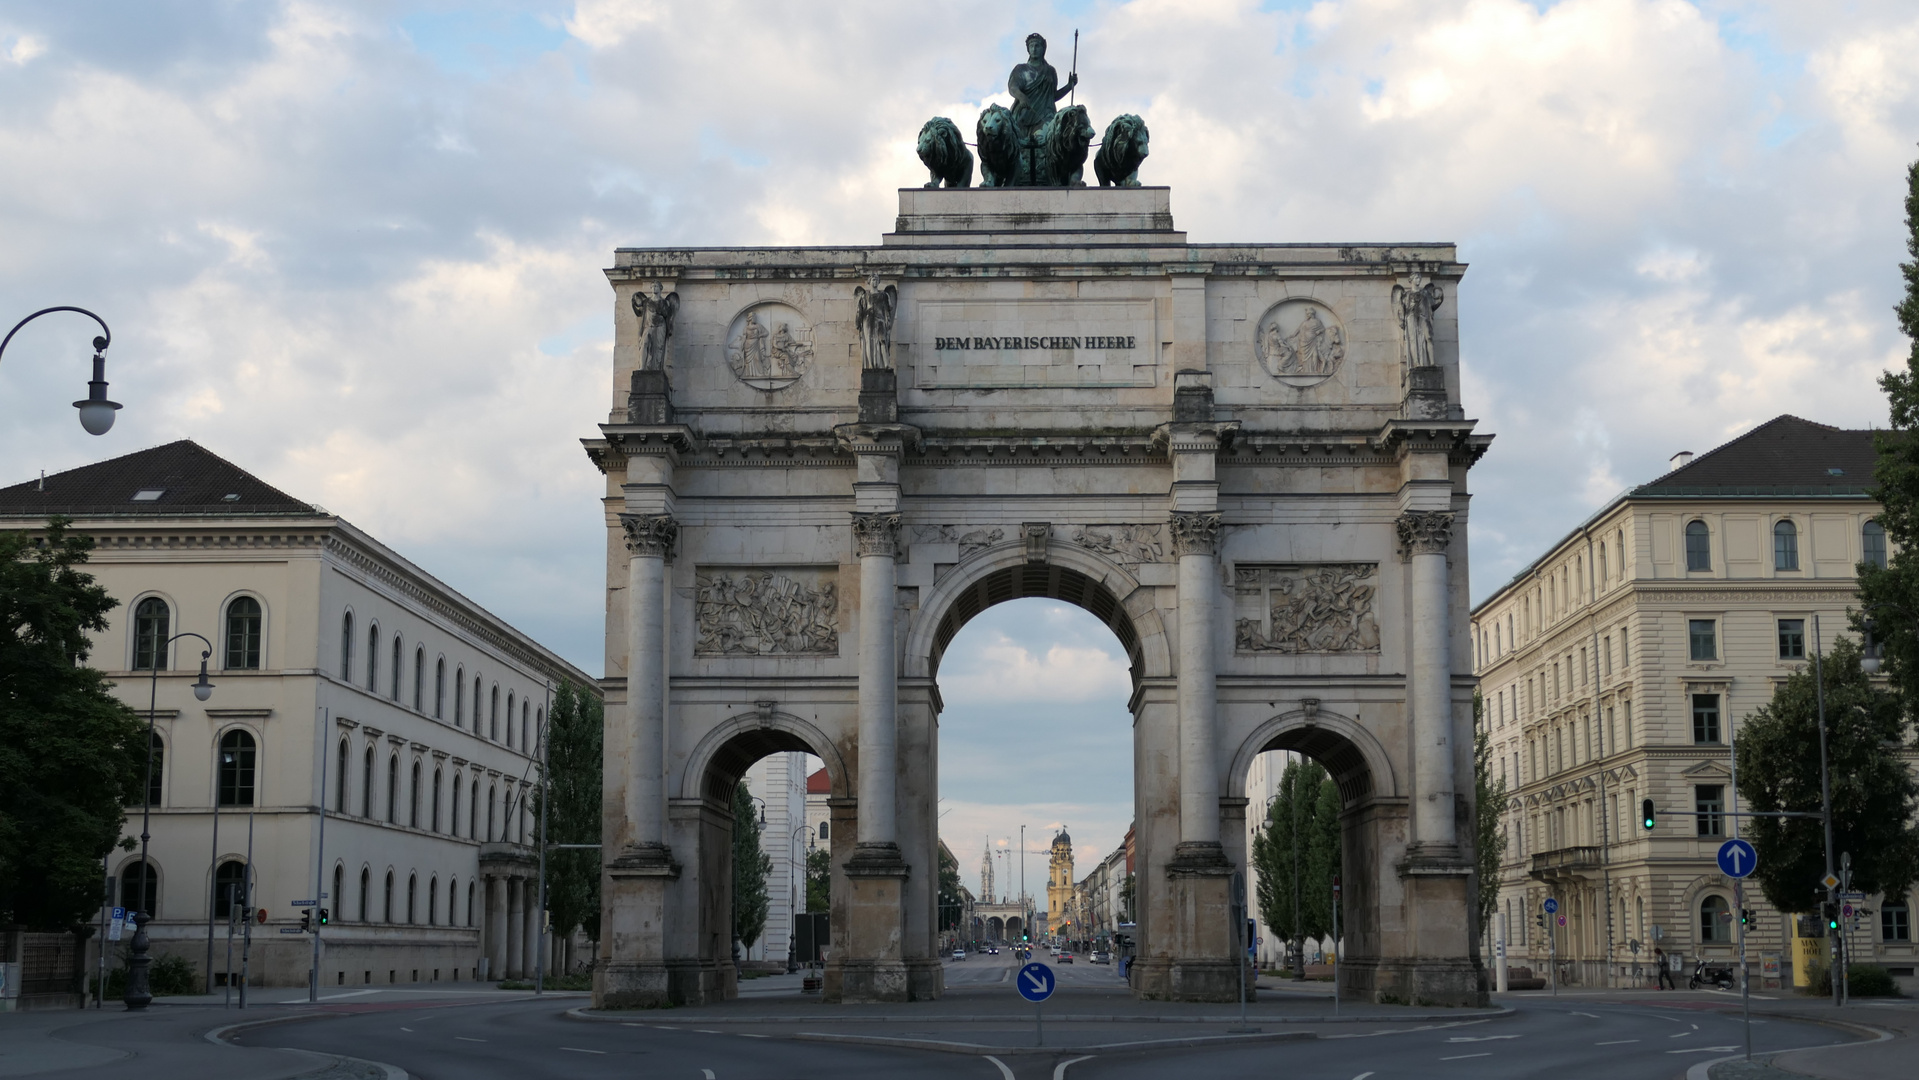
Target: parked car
959	954
1102	958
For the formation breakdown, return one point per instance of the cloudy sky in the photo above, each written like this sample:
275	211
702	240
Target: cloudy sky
357	247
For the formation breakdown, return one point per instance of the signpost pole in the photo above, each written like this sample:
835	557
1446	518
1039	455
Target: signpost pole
1335	946
319	859
246	939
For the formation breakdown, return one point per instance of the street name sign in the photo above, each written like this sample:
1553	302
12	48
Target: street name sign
1737	858
1035	982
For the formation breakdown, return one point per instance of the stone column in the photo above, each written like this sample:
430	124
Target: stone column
1426	535
515	914
530	932
878	538
649	538
1194	536
495	927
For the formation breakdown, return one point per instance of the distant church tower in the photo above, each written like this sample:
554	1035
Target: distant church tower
986	876
1059	881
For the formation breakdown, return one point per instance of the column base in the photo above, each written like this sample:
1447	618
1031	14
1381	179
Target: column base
1203	965
925	979
869	966
636	973
1445	982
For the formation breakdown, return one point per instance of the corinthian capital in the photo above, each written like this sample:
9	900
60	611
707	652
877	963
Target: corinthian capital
1426	532
650	534
877	534
1194	533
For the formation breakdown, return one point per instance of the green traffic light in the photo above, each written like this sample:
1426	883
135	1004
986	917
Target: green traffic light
1646	815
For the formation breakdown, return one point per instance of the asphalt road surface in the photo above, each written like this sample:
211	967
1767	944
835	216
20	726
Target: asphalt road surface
1564	1039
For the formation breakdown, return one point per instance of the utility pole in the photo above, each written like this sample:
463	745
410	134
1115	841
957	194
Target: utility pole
1825	804
539	916
319	865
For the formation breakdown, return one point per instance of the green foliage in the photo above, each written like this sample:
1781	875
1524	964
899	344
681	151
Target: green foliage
1126	900
750	869
1890	596
71	755
950	903
1295	883
819	875
172	975
1489	803
1870	980
575	730
1873	794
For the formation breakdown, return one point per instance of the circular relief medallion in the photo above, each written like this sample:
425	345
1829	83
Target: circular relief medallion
769	345
1300	342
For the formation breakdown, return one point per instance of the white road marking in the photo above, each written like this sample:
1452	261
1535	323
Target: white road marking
1059	1071
579	1050
406	1029
1462	1057
707	1073
1362	1076
706	1031
1617	1042
1681	1035
1005	1073
750	1035
463	1038
1585	1014
1479	1038
1705	1050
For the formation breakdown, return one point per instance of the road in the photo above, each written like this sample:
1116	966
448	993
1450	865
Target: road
1565	1038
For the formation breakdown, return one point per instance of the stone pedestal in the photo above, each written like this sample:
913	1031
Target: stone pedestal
635	973
1204	964
1442	969
868	965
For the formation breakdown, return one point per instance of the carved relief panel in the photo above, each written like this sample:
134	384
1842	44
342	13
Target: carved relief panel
1300	342
769	345
1318	608
784	611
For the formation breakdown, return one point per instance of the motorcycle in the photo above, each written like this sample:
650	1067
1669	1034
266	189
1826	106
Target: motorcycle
1702	976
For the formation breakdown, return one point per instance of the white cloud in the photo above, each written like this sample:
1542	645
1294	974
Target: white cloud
1005	670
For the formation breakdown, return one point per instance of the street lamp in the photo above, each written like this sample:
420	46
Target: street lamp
96	412
137	995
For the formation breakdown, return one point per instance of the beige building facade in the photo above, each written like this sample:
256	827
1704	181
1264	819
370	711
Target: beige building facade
1618	667
345	677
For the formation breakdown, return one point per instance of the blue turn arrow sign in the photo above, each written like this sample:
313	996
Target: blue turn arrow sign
1737	859
1035	982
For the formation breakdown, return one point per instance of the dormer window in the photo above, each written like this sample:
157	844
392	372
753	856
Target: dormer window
149	494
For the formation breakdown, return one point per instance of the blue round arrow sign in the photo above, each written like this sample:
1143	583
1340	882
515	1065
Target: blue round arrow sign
1035	982
1737	859
1551	905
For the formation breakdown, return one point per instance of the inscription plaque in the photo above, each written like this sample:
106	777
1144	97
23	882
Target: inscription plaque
1035	343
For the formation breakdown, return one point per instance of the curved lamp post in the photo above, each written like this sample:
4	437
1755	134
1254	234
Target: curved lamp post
96	412
137	995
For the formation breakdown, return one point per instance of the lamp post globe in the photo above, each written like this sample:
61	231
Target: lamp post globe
96	411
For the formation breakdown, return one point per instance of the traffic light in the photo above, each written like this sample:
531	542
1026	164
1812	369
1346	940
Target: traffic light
323	916
306	920
1831	911
1539	918
1745	918
1646	816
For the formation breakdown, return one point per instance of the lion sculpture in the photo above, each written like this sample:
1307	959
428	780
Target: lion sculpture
998	147
945	154
1120	152
1067	137
1054	155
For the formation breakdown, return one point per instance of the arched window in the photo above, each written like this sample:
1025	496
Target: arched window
151	628
526	734
493	716
389	896
243	634
459	698
1715	923
412	894
156	776
393	790
366	785
436	800
339	781
419	679
476	704
1698	546
1785	545
373	658
473	811
346	648
1604	567
139	888
492	797
393	682
229	889
452	900
339	889
433	902
825	829
366	890
453	819
509	718
236	769
539	728
439	689
413	799
1872	544
469	903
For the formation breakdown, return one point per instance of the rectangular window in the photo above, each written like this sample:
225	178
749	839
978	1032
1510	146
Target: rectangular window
1608	656
1556	689
1625	660
1710	802
1703	634
1792	639
1705	718
1895	921
1612	731
1628	707
1582	667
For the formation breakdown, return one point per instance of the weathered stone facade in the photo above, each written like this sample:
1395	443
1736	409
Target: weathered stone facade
1080	405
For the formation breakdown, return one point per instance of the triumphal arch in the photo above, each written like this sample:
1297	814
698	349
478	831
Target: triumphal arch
1247	459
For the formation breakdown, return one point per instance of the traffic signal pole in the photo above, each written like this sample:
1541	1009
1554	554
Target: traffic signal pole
1825	804
319	862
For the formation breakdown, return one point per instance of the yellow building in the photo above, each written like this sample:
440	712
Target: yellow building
1059	886
1616	667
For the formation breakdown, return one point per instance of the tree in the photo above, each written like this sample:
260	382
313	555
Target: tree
1873	793
72	756
1326	854
1489	805
819	881
1889	595
951	906
575	771
1294	891
750	869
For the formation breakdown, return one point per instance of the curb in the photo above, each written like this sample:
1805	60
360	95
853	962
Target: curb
672	1016
978	1050
1702	1070
222	1036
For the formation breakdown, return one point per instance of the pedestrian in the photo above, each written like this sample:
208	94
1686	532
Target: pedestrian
1665	970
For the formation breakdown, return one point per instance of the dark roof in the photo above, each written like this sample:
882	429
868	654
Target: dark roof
819	783
190	481
1783	456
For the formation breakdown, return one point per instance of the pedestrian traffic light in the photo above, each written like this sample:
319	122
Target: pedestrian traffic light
306	920
323	916
1646	815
